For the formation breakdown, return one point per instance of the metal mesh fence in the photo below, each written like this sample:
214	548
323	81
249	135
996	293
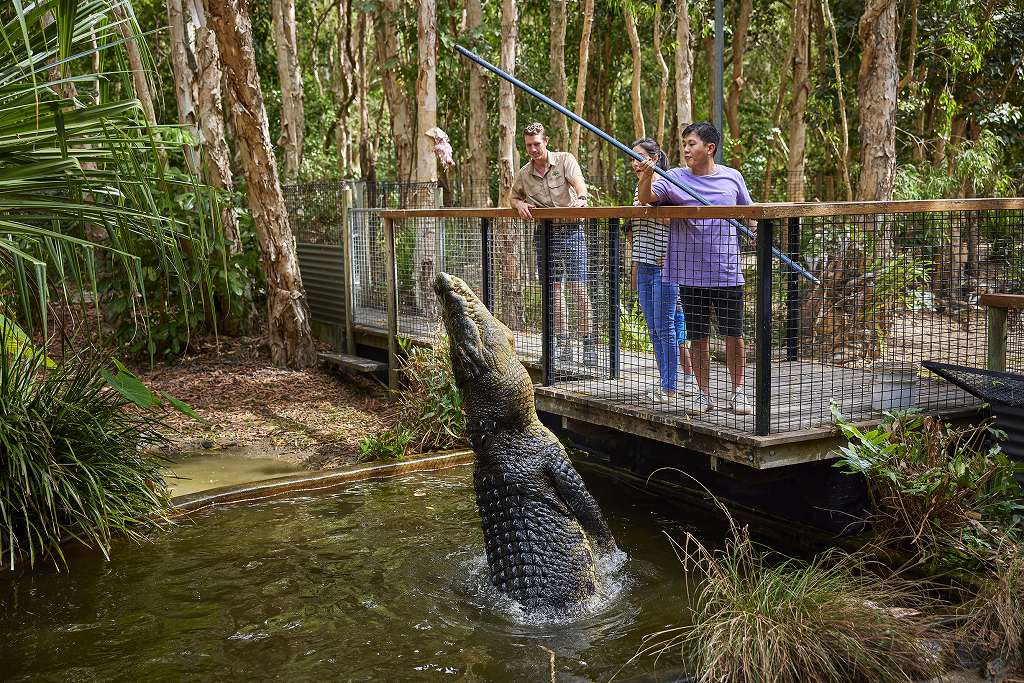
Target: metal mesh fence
894	290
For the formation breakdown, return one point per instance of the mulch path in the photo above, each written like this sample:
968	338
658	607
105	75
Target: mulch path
311	417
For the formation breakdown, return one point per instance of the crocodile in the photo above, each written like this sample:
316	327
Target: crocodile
542	529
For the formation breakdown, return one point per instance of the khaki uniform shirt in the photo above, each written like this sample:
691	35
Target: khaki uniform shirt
552	189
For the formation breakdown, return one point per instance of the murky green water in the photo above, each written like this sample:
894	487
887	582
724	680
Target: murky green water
384	581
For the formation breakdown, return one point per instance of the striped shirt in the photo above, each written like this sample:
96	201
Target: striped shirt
650	238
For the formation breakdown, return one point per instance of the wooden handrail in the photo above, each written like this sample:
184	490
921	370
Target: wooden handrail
997	300
755	211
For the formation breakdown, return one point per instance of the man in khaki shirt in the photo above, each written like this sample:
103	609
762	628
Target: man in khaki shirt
553	180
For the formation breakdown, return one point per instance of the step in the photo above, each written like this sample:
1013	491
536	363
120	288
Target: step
349	363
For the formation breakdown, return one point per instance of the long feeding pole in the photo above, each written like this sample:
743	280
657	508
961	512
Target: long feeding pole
624	149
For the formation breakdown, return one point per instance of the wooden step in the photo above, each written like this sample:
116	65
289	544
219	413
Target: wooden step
348	363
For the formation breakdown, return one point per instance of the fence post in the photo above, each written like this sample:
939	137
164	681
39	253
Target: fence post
391	279
547	310
485	263
793	291
997	338
346	257
613	298
763	331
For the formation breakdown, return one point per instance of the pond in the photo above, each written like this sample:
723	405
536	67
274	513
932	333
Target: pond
380	581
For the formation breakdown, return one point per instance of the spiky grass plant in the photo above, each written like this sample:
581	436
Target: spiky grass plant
993	619
75	457
758	620
759	617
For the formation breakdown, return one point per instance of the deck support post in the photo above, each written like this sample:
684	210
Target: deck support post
547	338
997	338
485	263
763	331
614	278
793	291
347	265
391	294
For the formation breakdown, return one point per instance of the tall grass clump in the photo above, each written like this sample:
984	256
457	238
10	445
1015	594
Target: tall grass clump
761	618
945	494
75	458
993	618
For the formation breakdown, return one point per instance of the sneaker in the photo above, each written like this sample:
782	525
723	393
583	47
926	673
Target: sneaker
739	404
699	405
689	386
658	396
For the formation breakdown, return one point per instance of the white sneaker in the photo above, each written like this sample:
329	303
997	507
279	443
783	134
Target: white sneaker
689	386
699	405
739	404
658	396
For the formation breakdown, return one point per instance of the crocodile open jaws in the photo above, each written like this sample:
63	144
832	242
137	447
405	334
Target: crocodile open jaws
538	517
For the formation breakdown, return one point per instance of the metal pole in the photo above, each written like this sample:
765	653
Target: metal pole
391	278
346	257
485	263
622	148
547	337
793	292
613	298
718	68
763	332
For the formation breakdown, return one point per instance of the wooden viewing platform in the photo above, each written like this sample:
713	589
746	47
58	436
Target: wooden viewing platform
792	397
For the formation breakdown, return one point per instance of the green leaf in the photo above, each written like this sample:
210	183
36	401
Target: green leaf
182	407
130	387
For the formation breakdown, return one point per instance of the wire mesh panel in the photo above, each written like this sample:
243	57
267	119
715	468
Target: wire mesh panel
896	290
369	283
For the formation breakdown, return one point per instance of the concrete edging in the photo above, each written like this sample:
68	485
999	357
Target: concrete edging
318	481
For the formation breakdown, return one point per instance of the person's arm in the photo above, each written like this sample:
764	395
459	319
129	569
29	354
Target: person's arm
574	176
645	177
518	201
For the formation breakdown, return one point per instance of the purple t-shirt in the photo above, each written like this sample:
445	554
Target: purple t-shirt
702	252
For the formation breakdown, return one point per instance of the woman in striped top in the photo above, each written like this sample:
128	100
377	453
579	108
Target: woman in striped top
658	299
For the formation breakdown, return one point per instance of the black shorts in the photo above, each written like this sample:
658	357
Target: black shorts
697	304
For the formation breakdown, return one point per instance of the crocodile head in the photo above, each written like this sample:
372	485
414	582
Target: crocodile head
496	389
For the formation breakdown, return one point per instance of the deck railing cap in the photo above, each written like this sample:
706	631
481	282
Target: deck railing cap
754	211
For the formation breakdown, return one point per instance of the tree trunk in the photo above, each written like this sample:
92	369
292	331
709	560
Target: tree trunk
508	243
343	86
876	93
127	27
663	68
402	114
684	74
181	64
559	83
195	62
639	130
844	130
798	105
478	167
292	115
367	147
581	78
291	343
732	105
908	75
425	254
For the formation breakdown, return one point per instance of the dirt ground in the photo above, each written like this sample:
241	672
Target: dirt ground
315	417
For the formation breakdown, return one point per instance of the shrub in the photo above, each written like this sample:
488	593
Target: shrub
74	451
937	490
390	444
760	618
430	403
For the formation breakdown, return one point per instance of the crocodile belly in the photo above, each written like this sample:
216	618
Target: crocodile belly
536	552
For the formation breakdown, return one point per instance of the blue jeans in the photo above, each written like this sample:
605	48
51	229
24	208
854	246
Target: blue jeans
658	302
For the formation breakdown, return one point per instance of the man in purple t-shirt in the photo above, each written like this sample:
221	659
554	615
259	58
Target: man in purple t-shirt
704	259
